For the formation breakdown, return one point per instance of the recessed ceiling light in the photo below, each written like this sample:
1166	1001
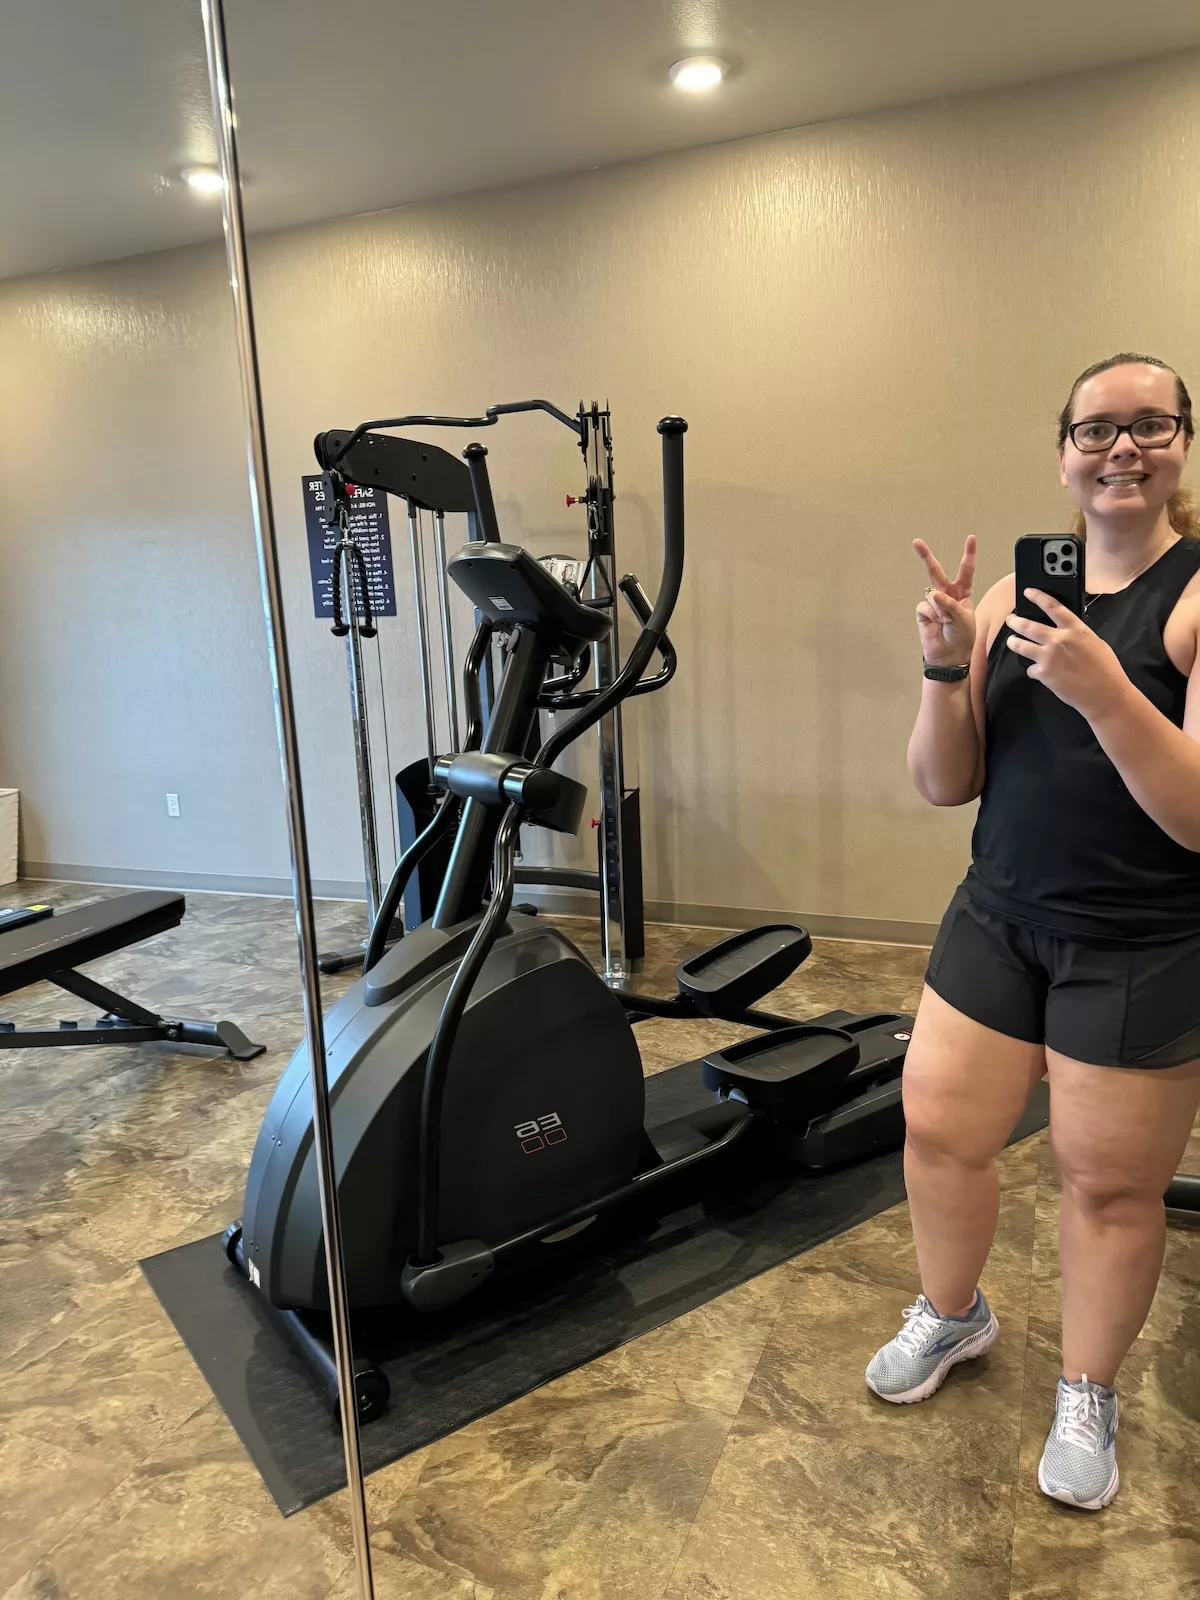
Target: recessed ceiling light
697	73
205	180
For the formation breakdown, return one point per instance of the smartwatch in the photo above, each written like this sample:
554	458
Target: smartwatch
944	674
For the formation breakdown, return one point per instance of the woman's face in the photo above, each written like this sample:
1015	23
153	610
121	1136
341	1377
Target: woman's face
1127	480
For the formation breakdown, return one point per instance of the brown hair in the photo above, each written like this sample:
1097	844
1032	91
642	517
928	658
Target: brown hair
1183	513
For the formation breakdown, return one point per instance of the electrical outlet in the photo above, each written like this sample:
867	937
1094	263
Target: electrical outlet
172	805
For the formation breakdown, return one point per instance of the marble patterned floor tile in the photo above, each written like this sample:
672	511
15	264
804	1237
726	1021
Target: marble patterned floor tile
823	1488
113	1373
526	1502
191	1521
393	1581
81	1408
734	1452
584	1489
113	1191
708	1356
46	1489
1148	1540
792	1514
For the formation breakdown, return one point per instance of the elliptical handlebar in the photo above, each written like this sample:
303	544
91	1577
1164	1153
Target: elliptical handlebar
672	430
625	683
639	604
446	815
560	694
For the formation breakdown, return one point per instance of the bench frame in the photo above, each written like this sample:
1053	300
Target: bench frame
49	951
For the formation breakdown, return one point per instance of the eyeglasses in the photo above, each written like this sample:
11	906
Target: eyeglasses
1152	433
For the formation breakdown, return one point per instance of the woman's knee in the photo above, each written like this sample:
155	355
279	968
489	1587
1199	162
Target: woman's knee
1096	1183
943	1125
964	1085
1117	1135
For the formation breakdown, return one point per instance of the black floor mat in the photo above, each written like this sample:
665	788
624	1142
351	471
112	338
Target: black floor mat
445	1375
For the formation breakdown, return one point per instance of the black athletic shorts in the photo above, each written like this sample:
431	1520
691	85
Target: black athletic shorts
1120	1006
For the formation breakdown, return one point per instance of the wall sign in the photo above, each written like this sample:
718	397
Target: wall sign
369	526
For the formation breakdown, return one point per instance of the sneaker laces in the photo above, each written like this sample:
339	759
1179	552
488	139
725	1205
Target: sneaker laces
920	1320
1080	1416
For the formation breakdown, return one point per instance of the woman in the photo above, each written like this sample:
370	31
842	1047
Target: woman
1072	949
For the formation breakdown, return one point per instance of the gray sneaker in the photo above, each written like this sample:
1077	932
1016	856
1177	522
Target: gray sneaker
1079	1463
914	1365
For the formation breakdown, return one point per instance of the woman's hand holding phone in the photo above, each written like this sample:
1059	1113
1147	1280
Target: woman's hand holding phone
1073	661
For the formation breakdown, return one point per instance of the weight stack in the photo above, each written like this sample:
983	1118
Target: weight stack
416	801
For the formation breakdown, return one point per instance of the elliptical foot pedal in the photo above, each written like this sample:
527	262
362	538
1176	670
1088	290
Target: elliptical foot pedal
866	1126
795	1073
872	1121
735	973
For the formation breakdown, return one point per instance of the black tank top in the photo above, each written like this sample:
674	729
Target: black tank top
1059	841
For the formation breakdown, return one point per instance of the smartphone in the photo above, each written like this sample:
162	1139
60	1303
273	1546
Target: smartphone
1053	563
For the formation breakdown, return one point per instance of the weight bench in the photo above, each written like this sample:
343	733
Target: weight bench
50	950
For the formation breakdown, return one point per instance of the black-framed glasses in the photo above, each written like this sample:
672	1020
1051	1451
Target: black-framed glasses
1151	433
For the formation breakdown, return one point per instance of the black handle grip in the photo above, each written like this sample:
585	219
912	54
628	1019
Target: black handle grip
367	626
475	455
340	626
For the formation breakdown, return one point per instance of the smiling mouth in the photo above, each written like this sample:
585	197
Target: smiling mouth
1123	480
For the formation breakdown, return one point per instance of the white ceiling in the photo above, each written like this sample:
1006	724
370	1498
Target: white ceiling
365	104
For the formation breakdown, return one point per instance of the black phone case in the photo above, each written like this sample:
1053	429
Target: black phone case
1065	587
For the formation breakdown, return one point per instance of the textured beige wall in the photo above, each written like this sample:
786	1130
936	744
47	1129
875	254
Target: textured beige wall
133	660
841	312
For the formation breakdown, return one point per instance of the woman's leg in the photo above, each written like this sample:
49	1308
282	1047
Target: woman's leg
1118	1135
965	1087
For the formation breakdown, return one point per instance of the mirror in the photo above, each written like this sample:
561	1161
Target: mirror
863	252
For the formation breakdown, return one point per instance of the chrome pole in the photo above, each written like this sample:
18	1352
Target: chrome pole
418	566
606	664
361	729
439	529
225	129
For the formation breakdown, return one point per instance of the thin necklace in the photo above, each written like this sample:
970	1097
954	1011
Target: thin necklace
1133	576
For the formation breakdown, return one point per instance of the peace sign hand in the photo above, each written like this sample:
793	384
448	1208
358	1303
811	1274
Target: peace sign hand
946	617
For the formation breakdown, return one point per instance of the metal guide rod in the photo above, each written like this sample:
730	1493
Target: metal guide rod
224	127
418	566
612	908
361	725
439	530
606	663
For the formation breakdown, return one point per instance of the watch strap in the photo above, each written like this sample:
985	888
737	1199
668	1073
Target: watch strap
944	674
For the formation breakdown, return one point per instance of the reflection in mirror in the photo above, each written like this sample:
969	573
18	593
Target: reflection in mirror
601	1196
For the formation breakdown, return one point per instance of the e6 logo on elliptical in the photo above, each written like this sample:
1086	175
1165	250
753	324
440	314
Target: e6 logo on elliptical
538	1132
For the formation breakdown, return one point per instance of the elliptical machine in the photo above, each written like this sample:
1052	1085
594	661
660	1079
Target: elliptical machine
487	1094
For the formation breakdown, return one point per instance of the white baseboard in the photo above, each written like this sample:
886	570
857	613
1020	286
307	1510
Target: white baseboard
567	902
193	882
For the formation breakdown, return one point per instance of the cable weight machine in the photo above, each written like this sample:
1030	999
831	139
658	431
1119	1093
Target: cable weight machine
354	621
431	480
618	881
